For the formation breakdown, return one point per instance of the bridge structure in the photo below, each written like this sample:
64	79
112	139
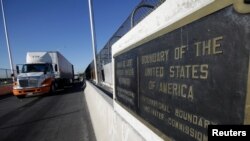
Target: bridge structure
170	71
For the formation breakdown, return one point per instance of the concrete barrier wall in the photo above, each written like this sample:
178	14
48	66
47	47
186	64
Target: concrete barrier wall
107	124
5	89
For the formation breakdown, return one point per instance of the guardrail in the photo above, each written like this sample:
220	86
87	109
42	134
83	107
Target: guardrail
5	81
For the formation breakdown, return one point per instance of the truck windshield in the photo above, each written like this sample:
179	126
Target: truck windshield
34	68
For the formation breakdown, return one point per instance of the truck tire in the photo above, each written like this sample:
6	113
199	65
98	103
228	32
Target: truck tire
71	82
52	89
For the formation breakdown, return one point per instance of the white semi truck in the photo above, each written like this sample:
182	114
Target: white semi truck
43	72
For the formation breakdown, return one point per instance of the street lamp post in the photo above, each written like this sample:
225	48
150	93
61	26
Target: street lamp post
7	41
93	36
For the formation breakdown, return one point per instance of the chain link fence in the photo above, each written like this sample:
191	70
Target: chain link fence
104	57
144	8
5	77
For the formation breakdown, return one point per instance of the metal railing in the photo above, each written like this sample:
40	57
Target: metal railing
144	8
5	77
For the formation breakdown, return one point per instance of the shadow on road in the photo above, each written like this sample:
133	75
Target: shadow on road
76	87
5	96
38	120
60	117
12	114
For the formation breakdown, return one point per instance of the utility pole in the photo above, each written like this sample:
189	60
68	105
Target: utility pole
93	37
7	41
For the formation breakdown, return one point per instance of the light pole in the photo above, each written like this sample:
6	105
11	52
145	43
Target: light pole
93	37
7	41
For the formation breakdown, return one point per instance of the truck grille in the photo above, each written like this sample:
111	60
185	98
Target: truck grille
28	83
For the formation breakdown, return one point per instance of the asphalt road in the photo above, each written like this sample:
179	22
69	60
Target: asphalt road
59	117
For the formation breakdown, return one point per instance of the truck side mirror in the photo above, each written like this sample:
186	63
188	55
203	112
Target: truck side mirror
17	69
45	70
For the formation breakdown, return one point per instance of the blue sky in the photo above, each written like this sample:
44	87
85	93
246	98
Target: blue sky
59	25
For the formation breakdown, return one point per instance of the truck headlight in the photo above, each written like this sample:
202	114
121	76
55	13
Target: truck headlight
16	85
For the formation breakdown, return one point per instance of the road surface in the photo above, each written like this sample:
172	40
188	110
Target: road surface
59	117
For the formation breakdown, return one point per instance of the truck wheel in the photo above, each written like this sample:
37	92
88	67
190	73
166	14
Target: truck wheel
52	88
71	82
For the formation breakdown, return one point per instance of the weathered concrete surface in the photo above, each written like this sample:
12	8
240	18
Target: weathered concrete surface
108	125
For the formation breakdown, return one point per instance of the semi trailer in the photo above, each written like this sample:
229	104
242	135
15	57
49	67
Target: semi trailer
42	73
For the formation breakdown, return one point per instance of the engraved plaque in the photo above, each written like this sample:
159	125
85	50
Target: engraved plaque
126	80
193	76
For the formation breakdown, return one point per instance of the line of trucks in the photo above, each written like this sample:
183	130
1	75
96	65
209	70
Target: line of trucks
43	72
